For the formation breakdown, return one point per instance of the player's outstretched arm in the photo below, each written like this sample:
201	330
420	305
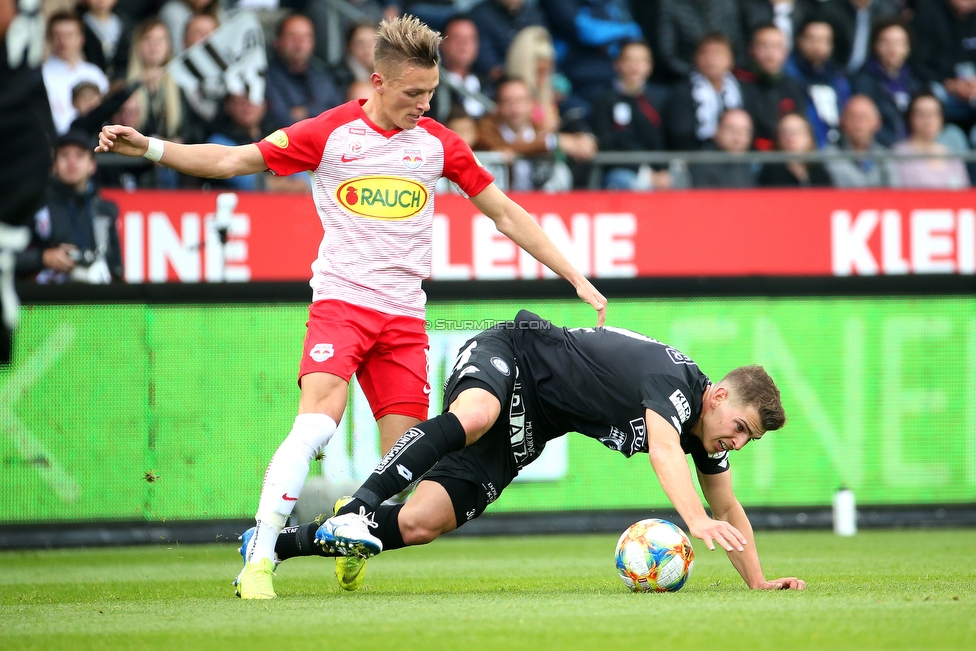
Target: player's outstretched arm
512	220
725	506
668	460
207	161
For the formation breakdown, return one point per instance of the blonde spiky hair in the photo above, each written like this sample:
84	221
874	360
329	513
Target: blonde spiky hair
406	40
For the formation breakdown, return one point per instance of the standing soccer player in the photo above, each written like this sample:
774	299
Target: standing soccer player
375	165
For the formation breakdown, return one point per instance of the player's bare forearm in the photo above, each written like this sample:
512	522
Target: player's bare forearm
668	460
513	221
725	506
746	562
207	161
213	161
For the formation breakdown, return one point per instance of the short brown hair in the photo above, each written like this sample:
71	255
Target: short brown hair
713	37
751	385
63	16
406	40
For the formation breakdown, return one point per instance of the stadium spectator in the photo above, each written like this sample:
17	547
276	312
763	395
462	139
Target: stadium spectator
199	110
199	27
786	15
296	87
359	90
925	123
768	93
135	174
243	122
532	59
357	62
175	14
629	117
588	35
459	50
510	130
852	21
826	86
367	316
335	27
584	380
160	99
697	103
888	80
93	109
734	136
498	22
65	67
859	125
74	235
795	134
106	38
435	13
682	25
944	56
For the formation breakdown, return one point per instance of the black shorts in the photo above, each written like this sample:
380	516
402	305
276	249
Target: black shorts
475	476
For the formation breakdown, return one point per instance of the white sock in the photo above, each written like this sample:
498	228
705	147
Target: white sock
285	478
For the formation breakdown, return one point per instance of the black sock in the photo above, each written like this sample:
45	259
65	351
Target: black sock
387	519
410	458
299	541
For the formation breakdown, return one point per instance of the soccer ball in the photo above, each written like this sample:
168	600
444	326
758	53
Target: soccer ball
654	556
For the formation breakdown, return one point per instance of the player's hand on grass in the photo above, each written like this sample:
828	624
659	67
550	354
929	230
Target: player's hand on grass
122	140
586	291
719	531
787	583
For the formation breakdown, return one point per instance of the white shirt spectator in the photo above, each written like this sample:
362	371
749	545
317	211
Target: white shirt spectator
59	78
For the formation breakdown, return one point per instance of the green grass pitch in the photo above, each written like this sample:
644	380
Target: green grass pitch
908	589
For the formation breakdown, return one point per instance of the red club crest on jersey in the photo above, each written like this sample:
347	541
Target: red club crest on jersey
413	158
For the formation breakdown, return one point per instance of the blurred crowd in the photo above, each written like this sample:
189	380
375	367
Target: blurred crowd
549	83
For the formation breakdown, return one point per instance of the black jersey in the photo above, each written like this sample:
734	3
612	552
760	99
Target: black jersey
26	126
599	381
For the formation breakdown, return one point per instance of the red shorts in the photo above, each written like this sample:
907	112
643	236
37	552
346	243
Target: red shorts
388	354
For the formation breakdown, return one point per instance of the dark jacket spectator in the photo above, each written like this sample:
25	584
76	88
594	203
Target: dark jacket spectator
683	23
296	88
852	21
106	38
794	134
92	117
888	80
498	22
628	118
734	136
787	16
697	104
588	35
74	236
943	52
767	92
826	85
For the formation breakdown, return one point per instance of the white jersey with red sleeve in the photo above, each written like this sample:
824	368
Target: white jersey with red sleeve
374	192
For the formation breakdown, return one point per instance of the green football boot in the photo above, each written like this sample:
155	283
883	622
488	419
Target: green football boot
256	580
349	570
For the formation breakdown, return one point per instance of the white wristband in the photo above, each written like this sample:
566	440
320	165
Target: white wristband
155	151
